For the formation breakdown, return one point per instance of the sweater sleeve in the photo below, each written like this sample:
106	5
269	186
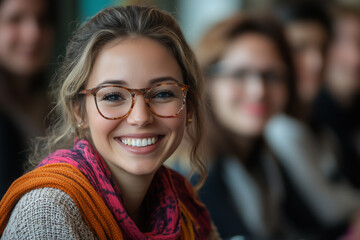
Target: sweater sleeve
47	213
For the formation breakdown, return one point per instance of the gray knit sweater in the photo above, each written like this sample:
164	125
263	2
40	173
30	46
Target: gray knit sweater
50	213
47	213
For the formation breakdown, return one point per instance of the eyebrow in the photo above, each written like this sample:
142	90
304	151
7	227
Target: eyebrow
152	81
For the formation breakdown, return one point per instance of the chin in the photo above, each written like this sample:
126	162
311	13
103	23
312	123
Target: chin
142	169
26	69
253	130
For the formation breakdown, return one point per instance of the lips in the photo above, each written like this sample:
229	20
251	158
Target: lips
256	109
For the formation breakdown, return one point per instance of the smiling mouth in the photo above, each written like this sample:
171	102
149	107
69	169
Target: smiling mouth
139	142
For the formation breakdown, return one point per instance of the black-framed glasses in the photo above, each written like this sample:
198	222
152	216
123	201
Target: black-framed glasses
114	102
271	77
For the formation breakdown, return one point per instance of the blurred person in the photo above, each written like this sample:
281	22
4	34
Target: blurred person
308	29
306	149
249	78
26	44
338	105
116	124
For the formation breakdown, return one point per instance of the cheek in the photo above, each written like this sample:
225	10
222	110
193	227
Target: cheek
100	128
177	125
8	38
227	104
224	99
177	128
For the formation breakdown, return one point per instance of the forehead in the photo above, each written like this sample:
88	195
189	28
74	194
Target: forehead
348	24
8	7
306	31
136	61
253	49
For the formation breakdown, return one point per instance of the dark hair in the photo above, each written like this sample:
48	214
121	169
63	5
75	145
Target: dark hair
305	10
216	41
342	10
218	38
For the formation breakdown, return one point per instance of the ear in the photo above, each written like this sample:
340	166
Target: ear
189	114
81	121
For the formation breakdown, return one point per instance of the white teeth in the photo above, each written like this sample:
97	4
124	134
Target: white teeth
139	142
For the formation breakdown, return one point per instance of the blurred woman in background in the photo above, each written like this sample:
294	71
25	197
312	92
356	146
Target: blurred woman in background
26	43
306	149
249	78
308	29
338	105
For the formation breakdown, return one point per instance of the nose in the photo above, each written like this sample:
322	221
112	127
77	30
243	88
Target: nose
140	115
314	61
255	87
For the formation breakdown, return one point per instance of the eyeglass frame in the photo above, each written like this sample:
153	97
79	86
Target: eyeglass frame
215	71
133	92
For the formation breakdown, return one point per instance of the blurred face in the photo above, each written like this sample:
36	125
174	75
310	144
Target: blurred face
343	72
308	41
26	38
139	143
251	85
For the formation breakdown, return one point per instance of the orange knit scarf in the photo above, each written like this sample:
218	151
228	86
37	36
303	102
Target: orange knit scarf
93	209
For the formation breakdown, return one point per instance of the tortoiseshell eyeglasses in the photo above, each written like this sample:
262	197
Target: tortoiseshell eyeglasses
114	102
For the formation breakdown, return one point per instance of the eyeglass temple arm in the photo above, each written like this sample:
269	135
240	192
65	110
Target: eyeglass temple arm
87	91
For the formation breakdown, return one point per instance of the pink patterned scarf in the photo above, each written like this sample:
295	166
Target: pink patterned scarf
166	191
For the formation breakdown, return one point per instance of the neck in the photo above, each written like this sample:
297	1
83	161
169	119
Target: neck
133	189
345	99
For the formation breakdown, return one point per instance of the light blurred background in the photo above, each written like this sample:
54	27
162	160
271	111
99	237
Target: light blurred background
195	17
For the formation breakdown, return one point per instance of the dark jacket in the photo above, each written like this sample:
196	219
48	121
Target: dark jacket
215	194
13	153
345	123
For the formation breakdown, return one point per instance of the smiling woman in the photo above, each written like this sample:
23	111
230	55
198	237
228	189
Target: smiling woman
129	86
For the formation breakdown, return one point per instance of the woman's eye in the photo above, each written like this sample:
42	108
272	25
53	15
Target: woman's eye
14	19
112	97
163	94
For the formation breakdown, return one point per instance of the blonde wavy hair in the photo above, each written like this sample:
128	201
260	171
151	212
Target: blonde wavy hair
82	50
